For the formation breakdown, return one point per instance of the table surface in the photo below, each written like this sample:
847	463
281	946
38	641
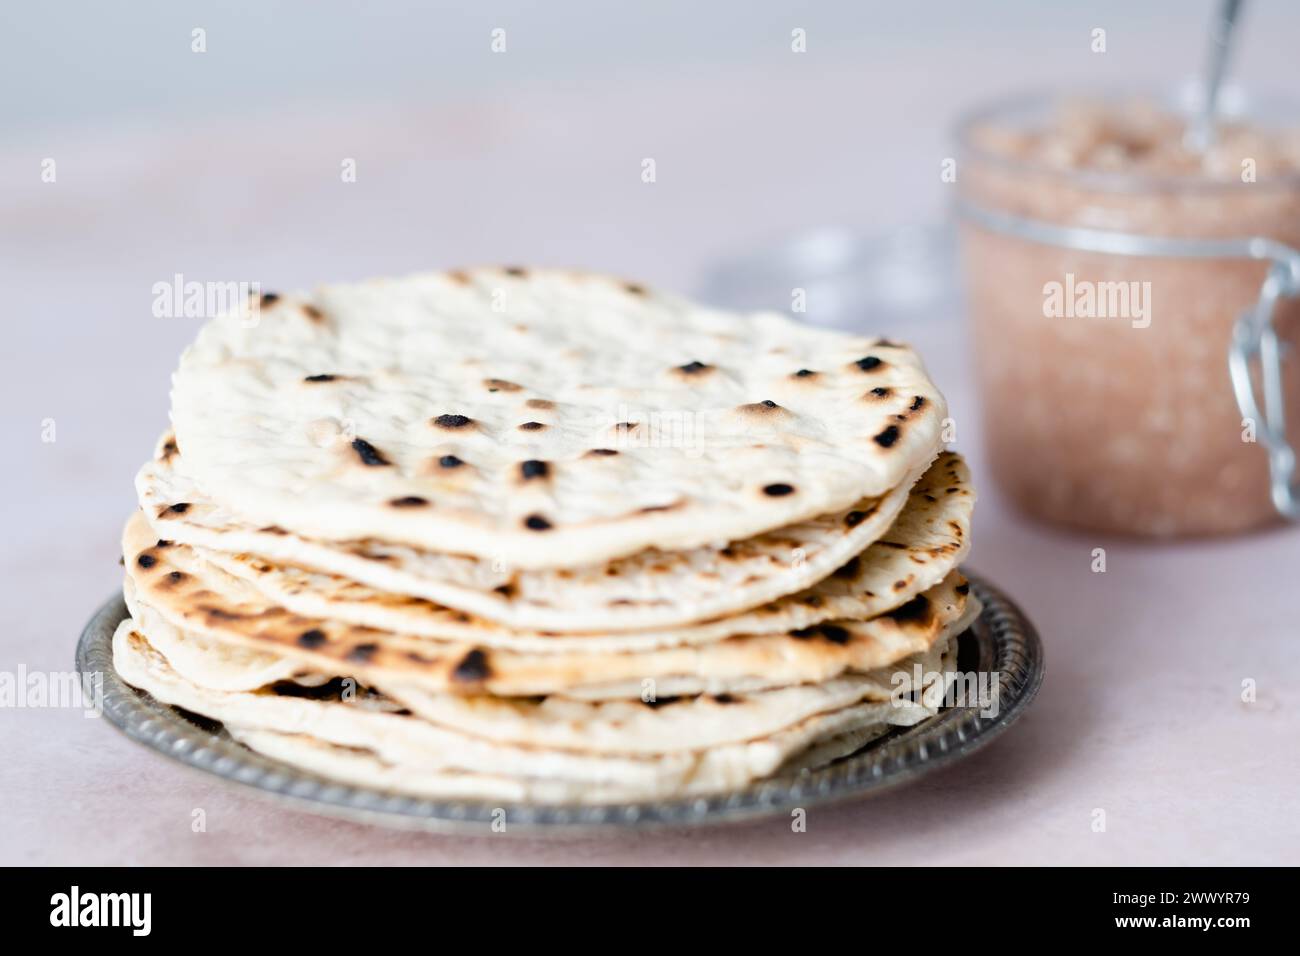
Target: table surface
1140	718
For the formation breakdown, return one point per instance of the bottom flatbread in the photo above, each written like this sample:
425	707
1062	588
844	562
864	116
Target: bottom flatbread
363	768
401	739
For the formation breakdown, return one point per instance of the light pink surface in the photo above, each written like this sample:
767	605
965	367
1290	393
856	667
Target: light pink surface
1141	714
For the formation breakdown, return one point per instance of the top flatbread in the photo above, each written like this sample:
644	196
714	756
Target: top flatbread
474	413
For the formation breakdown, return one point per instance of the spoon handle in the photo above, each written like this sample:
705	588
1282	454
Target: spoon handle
1200	133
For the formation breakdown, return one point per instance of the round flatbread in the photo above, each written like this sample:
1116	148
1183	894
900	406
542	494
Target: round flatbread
362	767
541	418
653	592
927	540
403	739
666	724
166	580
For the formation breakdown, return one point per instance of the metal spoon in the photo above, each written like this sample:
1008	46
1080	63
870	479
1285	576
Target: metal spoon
1200	132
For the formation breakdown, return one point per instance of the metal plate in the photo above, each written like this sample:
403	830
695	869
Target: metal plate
1001	642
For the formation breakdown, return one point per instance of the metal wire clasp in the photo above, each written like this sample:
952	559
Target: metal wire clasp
1254	336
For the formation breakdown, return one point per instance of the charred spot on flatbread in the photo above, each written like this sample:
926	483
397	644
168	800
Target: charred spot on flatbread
472	668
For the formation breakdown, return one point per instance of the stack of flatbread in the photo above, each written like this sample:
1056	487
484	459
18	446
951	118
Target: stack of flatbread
544	536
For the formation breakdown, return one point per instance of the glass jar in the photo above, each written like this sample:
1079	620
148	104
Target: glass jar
1133	312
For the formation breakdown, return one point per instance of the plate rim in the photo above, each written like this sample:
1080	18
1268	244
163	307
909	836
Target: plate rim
1007	641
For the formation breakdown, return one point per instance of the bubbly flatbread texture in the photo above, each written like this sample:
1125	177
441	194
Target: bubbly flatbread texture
542	419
